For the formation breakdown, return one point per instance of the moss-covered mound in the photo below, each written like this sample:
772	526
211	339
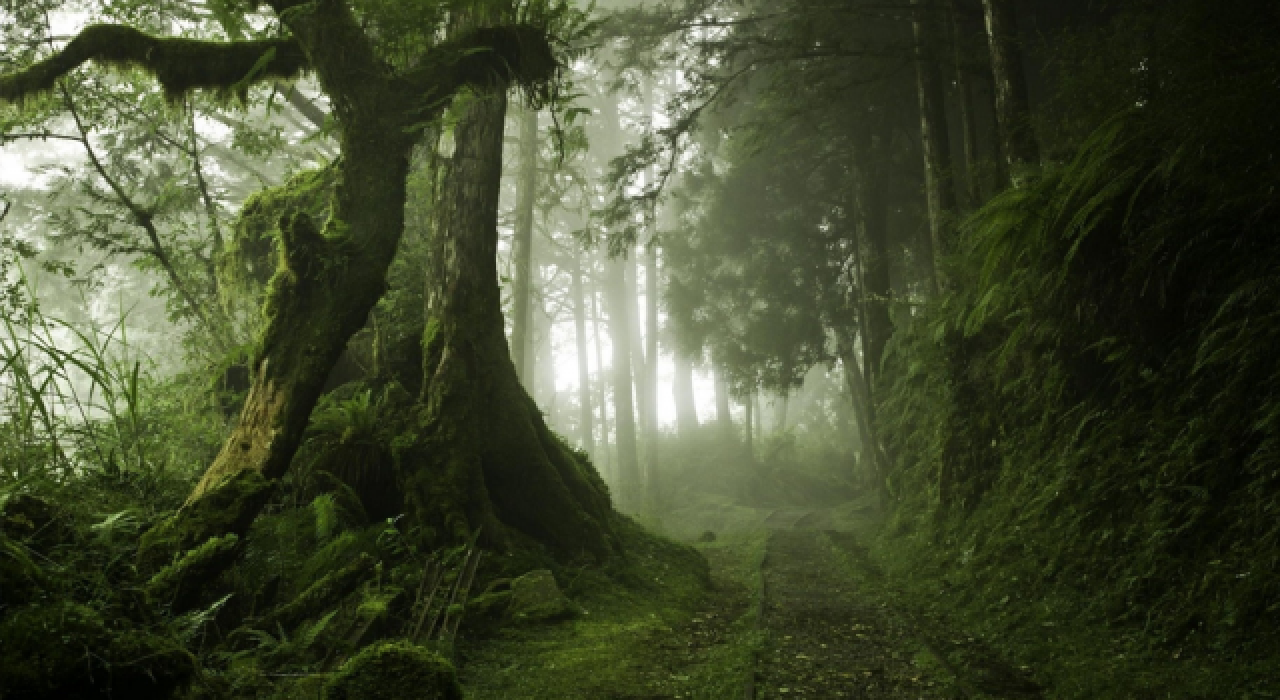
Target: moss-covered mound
393	671
66	650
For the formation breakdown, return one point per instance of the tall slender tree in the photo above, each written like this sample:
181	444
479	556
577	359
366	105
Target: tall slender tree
683	394
621	306
1013	106
586	429
723	416
935	139
652	487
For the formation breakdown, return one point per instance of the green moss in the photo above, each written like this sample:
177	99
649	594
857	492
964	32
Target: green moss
228	508
180	584
535	597
65	650
635	619
180	65
319	596
392	671
28	517
252	256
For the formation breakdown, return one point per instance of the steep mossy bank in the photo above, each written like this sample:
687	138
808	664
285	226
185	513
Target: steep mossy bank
321	601
1088	429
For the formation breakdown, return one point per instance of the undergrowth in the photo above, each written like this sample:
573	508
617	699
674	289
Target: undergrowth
1089	427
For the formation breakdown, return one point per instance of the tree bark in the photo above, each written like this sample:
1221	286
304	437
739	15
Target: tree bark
328	281
682	392
723	415
610	460
522	247
1013	108
935	141
585	415
869	167
483	456
652	487
864	413
968	126
621	307
749	406
757	414
639	362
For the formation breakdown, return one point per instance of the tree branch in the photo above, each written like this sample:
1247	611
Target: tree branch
492	56
180	65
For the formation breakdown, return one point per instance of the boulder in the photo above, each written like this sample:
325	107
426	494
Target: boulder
535	597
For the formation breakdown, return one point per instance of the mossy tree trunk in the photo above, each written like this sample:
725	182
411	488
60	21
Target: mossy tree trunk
327	278
483	457
487	452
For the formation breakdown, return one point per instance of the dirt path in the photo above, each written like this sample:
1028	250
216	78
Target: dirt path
830	637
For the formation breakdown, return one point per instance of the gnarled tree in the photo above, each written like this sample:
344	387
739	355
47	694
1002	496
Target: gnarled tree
330	275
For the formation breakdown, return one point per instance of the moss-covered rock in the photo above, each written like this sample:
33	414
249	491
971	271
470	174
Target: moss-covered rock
535	597
66	650
394	671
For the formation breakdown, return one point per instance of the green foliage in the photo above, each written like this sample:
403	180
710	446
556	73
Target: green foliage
1092	417
753	273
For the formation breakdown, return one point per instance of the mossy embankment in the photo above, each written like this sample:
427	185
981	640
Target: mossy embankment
1084	429
658	623
318	591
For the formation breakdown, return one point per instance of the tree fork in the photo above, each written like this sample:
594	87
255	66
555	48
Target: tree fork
327	281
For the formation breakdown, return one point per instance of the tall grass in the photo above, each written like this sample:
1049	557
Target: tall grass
71	401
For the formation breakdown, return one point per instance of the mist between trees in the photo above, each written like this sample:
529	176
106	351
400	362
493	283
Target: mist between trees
433	295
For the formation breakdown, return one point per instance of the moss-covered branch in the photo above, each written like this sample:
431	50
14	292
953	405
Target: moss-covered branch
487	57
180	65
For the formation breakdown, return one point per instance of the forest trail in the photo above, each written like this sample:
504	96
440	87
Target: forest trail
796	609
829	635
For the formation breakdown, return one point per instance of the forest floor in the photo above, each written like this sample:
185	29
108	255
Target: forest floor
795	609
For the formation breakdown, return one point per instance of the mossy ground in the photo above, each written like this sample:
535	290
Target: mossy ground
651	627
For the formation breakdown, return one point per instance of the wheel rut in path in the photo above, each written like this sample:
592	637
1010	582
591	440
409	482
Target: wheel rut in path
828	639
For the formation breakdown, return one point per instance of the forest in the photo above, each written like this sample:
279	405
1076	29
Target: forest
507	349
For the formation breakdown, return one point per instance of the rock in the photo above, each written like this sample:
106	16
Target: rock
394	671
488	607
535	597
